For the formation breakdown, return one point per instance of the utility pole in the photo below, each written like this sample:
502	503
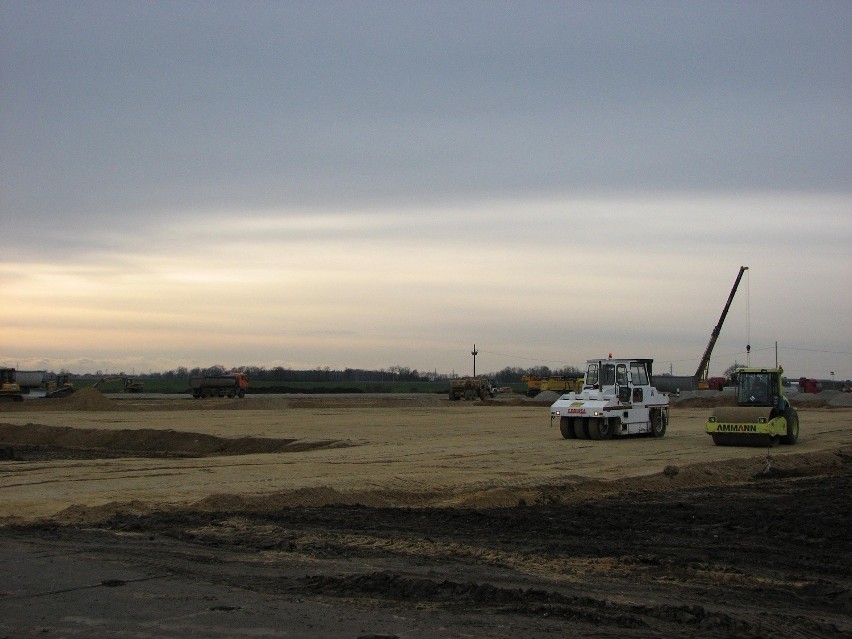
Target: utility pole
474	352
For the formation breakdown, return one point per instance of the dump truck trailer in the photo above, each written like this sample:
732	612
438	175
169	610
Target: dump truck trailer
30	380
233	385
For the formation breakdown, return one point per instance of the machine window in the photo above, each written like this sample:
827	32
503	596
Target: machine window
755	389
592	374
640	374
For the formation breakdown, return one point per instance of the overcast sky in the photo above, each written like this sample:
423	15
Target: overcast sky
369	184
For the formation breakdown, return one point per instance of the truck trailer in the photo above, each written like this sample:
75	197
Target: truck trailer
232	385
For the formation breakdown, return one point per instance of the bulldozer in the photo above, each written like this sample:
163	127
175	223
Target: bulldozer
130	385
9	387
763	416
62	386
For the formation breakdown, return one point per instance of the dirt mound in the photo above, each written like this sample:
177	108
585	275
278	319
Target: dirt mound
547	397
35	441
836	398
85	399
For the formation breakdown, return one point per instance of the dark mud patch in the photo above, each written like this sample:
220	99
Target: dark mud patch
36	442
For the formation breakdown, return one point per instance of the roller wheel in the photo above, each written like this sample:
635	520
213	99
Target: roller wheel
792	418
593	429
659	421
581	427
566	427
728	439
600	429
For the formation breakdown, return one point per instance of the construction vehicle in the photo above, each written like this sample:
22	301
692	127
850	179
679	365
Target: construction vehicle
130	385
616	399
9	387
562	384
231	385
704	365
30	380
533	384
763	415
807	385
558	383
42	384
469	388
717	383
62	386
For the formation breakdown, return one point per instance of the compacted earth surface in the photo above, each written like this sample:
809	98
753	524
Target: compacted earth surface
510	531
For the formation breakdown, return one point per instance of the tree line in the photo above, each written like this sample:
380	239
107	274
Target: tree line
508	375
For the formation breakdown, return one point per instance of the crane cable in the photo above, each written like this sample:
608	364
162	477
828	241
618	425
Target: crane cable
748	317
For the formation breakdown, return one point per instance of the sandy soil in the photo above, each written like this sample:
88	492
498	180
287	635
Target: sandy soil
412	516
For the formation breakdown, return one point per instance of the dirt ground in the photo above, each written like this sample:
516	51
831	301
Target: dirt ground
410	516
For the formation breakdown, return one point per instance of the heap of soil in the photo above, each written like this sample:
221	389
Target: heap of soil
85	399
36	441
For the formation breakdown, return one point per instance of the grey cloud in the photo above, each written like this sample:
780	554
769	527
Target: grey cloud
114	108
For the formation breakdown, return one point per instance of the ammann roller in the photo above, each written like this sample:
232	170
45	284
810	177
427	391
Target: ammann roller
763	415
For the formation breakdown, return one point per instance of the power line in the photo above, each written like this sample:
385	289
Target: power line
674	361
528	359
813	350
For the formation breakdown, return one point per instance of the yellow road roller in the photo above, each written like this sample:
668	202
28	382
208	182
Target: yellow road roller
763	415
